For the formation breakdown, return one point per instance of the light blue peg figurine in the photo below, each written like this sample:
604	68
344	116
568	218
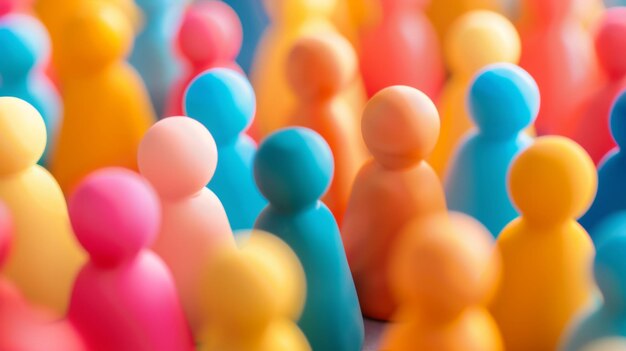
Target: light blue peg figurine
611	196
608	317
24	48
503	100
293	169
153	55
224	102
254	20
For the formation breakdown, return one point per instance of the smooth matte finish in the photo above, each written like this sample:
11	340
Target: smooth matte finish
124	298
551	183
224	102
293	169
476	182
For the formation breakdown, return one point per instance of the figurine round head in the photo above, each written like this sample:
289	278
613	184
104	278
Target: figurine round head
320	66
552	181
22	135
400	126
611	39
618	120
6	232
610	273
178	156
223	101
293	168
247	288
210	32
439	270
96	35
503	100
480	38
296	11
115	213
28	44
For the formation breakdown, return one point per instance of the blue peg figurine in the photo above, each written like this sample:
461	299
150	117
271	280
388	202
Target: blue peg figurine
224	102
153	54
293	169
503	100
611	196
254	20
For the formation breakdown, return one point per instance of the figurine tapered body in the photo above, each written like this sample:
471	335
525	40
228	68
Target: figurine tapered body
293	169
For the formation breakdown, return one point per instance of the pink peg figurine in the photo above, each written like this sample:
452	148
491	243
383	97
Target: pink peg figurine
178	156
210	36
124	298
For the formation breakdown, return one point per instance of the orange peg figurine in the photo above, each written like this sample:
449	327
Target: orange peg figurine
441	274
400	127
319	68
106	106
291	19
590	128
557	50
546	255
402	49
475	40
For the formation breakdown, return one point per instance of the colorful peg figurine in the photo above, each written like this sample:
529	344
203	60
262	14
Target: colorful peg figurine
106	107
440	277
558	52
178	157
224	102
293	169
400	127
319	69
210	36
389	55
476	182
124	298
45	257
590	127
607	318
253	296
290	19
611	172
21	71
551	183
254	20
153	56
475	40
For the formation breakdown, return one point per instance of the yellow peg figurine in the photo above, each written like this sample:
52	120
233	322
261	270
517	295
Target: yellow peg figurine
291	20
477	39
45	257
55	13
546	255
106	106
252	297
443	13
442	272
